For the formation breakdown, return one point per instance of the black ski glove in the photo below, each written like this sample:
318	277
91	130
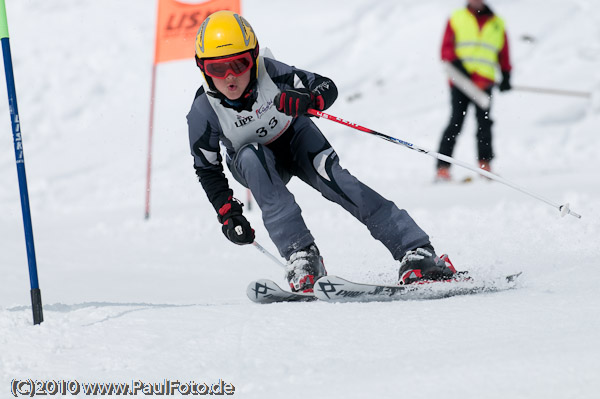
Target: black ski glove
295	102
505	84
460	66
235	226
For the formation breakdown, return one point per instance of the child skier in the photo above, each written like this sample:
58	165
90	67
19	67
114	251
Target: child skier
255	106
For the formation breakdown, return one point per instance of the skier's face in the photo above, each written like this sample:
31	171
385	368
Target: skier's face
476	4
232	86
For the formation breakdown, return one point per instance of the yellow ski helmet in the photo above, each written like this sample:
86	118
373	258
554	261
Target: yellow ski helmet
223	34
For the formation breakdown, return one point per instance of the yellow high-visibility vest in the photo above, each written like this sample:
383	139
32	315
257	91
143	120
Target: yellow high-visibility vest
477	49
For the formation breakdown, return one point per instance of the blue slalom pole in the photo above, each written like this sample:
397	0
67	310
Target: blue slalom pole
36	295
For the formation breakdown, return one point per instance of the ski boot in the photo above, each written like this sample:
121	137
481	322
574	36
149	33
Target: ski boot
443	175
422	264
485	165
304	268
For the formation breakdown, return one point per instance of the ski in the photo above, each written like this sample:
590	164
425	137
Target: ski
467	86
336	289
267	291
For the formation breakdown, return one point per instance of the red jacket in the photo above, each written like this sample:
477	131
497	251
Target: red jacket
448	53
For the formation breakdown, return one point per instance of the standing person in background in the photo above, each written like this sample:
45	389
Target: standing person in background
475	42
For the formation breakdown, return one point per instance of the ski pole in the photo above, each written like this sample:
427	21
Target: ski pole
564	208
559	92
267	253
36	295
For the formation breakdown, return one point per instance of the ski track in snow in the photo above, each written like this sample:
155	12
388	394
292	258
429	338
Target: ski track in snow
127	299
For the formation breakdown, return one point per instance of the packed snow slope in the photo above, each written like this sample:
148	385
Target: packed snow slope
127	299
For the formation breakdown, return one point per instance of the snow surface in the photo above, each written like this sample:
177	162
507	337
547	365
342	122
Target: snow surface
128	299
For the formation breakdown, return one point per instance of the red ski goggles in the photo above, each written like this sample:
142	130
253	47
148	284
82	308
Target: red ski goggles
220	68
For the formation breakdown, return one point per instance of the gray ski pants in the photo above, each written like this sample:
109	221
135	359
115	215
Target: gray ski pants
304	152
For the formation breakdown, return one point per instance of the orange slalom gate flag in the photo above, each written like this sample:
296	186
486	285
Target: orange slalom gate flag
177	25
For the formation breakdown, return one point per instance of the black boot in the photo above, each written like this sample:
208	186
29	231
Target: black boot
304	268
423	264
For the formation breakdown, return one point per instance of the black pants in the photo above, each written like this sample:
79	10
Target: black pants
460	103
